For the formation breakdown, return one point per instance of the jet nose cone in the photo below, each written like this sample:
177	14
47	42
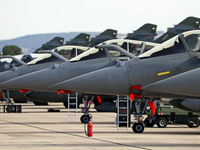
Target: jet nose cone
108	81
177	103
29	81
88	83
192	104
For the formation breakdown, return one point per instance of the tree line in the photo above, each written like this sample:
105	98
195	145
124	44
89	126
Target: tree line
11	50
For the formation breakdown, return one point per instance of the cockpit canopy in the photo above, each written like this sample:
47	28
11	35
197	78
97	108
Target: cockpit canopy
176	45
67	52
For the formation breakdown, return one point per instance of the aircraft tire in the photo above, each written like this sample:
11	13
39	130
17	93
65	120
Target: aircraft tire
138	127
161	122
85	118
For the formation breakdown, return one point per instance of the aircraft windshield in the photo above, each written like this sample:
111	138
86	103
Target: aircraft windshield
172	46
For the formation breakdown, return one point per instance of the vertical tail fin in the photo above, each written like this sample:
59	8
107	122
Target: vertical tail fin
53	43
109	32
104	36
190	23
80	40
57	40
144	33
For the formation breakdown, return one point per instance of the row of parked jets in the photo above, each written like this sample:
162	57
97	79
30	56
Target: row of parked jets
138	66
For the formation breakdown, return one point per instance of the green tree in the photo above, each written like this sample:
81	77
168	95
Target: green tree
11	50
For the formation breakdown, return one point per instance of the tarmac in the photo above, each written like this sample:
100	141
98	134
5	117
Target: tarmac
37	129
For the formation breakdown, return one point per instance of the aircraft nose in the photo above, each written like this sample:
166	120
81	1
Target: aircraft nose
192	104
108	81
28	81
177	103
96	81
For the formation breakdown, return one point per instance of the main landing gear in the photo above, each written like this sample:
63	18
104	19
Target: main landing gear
86	117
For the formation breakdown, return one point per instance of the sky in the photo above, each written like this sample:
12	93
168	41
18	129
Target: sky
25	17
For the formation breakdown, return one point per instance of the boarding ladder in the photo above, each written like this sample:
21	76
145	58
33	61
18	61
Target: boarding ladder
123	112
72	107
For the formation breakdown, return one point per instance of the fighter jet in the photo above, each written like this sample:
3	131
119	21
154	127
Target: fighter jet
145	33
190	23
94	61
80	40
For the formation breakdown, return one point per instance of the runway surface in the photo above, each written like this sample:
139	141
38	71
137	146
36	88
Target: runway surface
36	129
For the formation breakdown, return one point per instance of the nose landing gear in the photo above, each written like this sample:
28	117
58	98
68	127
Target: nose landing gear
138	127
86	117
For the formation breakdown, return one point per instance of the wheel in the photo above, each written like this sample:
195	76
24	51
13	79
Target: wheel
138	127
85	118
161	122
147	123
193	125
10	108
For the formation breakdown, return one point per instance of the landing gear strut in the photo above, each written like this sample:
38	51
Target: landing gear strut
86	117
